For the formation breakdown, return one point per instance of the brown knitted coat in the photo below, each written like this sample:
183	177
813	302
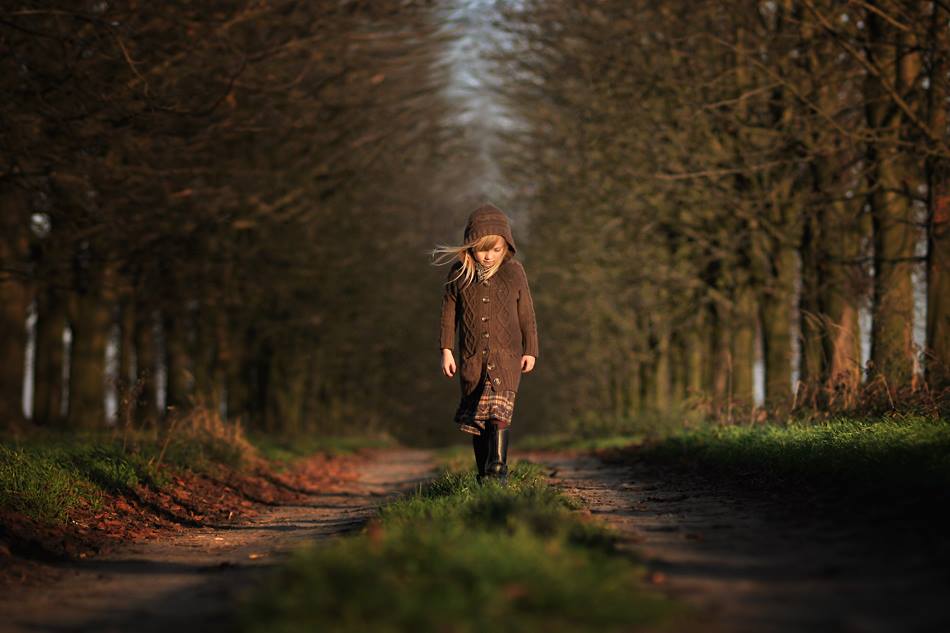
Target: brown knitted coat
494	318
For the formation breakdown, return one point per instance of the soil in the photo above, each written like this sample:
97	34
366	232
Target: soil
181	563
765	562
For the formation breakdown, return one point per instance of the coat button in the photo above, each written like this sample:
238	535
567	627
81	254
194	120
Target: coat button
490	366
497	380
485	335
484	318
484	351
484	299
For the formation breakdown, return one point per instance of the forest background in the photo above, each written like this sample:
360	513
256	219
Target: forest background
734	208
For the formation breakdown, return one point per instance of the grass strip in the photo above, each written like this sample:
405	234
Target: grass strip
41	485
458	557
47	475
887	456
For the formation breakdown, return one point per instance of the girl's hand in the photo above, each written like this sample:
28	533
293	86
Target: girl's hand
527	364
448	363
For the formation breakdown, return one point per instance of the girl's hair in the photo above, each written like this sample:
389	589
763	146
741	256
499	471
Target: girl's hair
443	254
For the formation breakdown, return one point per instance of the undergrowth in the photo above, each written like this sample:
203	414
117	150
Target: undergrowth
46	474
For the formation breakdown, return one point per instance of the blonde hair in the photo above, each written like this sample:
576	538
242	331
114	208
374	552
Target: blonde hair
444	254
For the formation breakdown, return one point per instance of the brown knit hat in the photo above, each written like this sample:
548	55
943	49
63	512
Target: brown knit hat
489	220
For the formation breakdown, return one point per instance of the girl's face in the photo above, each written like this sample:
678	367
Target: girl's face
495	252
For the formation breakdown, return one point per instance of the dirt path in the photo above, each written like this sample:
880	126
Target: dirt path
755	564
189	582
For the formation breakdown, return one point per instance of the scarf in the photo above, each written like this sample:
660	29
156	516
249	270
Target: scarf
480	271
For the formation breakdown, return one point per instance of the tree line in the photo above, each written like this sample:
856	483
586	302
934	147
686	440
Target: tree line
230	203
712	183
212	192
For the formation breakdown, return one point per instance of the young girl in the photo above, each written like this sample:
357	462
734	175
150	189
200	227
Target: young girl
487	300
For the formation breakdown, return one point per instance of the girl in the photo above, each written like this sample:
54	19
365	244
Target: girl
487	300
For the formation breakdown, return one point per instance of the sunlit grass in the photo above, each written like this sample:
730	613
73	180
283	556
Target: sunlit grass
883	455
45	475
456	556
46	480
42	485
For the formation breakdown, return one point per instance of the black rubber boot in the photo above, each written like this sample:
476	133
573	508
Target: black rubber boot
497	466
480	446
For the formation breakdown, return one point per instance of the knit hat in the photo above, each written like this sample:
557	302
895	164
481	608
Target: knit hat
489	220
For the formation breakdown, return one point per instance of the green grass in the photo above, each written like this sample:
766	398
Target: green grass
457	557
41	484
883	456
48	474
46	480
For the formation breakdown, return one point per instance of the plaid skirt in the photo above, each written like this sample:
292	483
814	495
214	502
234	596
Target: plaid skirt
483	405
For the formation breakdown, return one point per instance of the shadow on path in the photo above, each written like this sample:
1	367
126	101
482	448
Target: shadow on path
756	564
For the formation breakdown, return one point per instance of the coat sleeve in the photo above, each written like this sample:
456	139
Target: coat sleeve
529	326
449	307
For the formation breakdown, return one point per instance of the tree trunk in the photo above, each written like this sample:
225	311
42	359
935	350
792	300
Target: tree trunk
179	384
14	303
679	359
48	376
840	290
893	300
648	383
697	341
743	345
223	360
938	292
813	361
718	357
238	379
775	306
204	355
143	337
663	376
937	363
128	370
832	285
286	393
89	320
634	402
890	178
831	290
